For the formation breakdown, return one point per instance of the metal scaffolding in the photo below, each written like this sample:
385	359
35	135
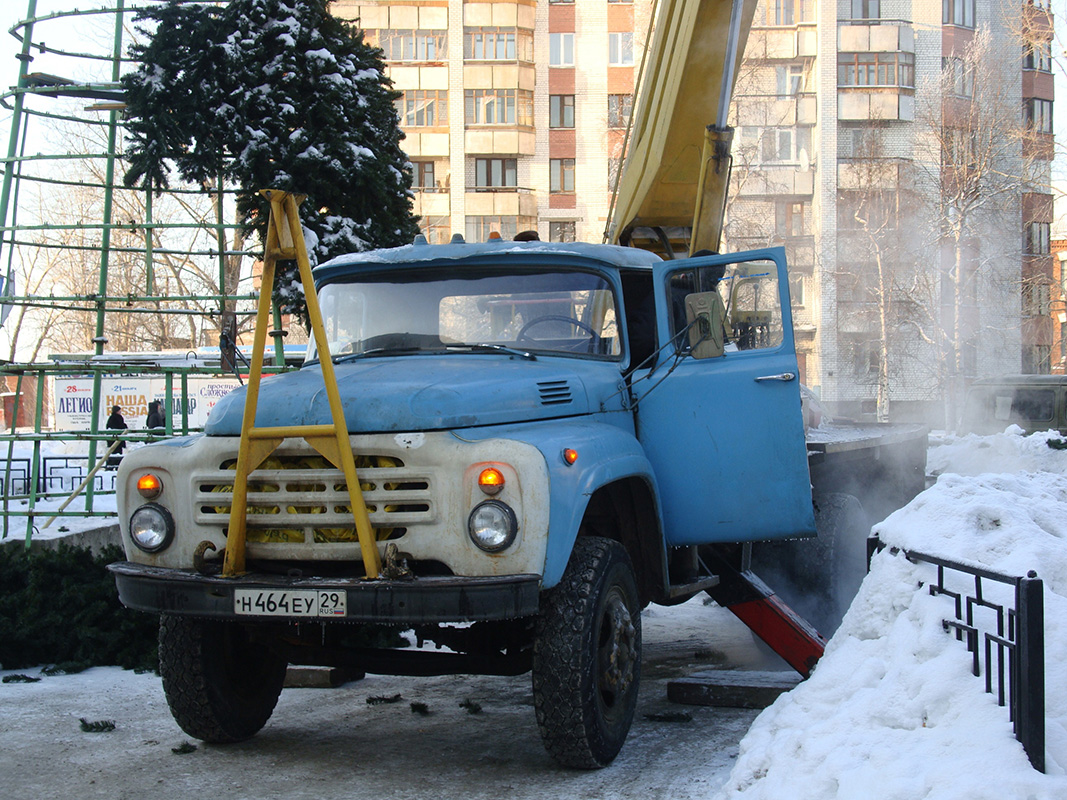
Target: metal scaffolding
170	260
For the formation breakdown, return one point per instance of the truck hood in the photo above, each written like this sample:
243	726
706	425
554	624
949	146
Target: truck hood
414	393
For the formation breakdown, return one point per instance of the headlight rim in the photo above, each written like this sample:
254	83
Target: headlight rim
168	524
512	523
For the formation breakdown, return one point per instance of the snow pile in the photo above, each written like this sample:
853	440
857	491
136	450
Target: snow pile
892	710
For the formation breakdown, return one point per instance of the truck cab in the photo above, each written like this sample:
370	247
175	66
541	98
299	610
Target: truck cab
545	435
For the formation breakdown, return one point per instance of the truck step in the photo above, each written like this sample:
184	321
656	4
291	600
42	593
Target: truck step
693	587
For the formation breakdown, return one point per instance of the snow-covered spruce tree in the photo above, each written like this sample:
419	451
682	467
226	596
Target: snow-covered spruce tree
273	94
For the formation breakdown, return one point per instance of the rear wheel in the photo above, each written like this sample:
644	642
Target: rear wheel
221	684
587	656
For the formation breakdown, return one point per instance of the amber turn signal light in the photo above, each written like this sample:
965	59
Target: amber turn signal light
149	486
570	456
491	480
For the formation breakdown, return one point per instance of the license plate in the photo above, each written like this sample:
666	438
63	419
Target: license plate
290	602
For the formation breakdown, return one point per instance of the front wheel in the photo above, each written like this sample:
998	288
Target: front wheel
587	656
221	684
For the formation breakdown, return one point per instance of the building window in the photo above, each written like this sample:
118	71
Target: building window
1036	300
561	174
866	358
775	145
561	111
1038	115
1037	360
479	228
497	44
422	108
422	175
561	2
1038	55
435	231
565	231
1037	239
876	69
790	80
866	9
561	49
790	12
621	49
413	45
620	106
959	77
495	172
796	291
789	218
958	12
498	107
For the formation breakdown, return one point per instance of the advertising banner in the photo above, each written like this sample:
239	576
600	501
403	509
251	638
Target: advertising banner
73	400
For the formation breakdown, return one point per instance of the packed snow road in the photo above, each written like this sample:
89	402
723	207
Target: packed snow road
332	743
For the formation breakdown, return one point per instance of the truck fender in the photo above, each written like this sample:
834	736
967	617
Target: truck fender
570	501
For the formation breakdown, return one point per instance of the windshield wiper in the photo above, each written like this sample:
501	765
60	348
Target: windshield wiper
377	351
485	347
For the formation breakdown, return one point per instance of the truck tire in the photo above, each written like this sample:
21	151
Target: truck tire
587	656
221	685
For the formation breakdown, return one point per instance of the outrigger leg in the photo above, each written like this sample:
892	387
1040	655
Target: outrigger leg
754	603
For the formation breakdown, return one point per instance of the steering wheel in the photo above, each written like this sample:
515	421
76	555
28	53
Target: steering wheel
577	323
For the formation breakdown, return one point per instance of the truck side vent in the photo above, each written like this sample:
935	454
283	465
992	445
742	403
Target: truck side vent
554	393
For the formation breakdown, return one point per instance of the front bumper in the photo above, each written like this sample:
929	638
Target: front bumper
420	600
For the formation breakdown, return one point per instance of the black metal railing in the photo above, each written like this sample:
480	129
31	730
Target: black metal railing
1008	647
64	473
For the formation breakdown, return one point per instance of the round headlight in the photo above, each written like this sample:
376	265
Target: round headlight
492	526
151	527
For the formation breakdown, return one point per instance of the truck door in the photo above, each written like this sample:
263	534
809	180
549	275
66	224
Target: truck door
725	432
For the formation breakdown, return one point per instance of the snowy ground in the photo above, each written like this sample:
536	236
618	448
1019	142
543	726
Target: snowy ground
892	710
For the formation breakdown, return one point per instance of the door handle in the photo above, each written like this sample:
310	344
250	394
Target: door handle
781	376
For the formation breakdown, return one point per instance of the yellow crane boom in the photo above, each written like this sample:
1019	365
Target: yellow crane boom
672	189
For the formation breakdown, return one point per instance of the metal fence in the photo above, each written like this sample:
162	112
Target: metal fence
1006	642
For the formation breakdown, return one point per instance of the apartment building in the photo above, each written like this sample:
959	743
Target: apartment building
515	112
865	145
515	115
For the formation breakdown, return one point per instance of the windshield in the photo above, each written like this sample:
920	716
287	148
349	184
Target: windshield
565	312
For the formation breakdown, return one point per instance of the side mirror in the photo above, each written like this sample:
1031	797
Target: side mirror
706	336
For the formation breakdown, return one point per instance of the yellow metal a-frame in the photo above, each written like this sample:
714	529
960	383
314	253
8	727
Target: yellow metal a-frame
285	242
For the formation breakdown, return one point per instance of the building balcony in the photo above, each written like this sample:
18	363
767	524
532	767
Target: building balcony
799	41
773	179
432	202
503	201
502	140
875	36
876	103
499	75
773	110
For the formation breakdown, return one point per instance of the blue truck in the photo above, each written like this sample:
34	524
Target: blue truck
548	437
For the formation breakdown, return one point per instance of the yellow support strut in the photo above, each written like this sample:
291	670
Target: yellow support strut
285	241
